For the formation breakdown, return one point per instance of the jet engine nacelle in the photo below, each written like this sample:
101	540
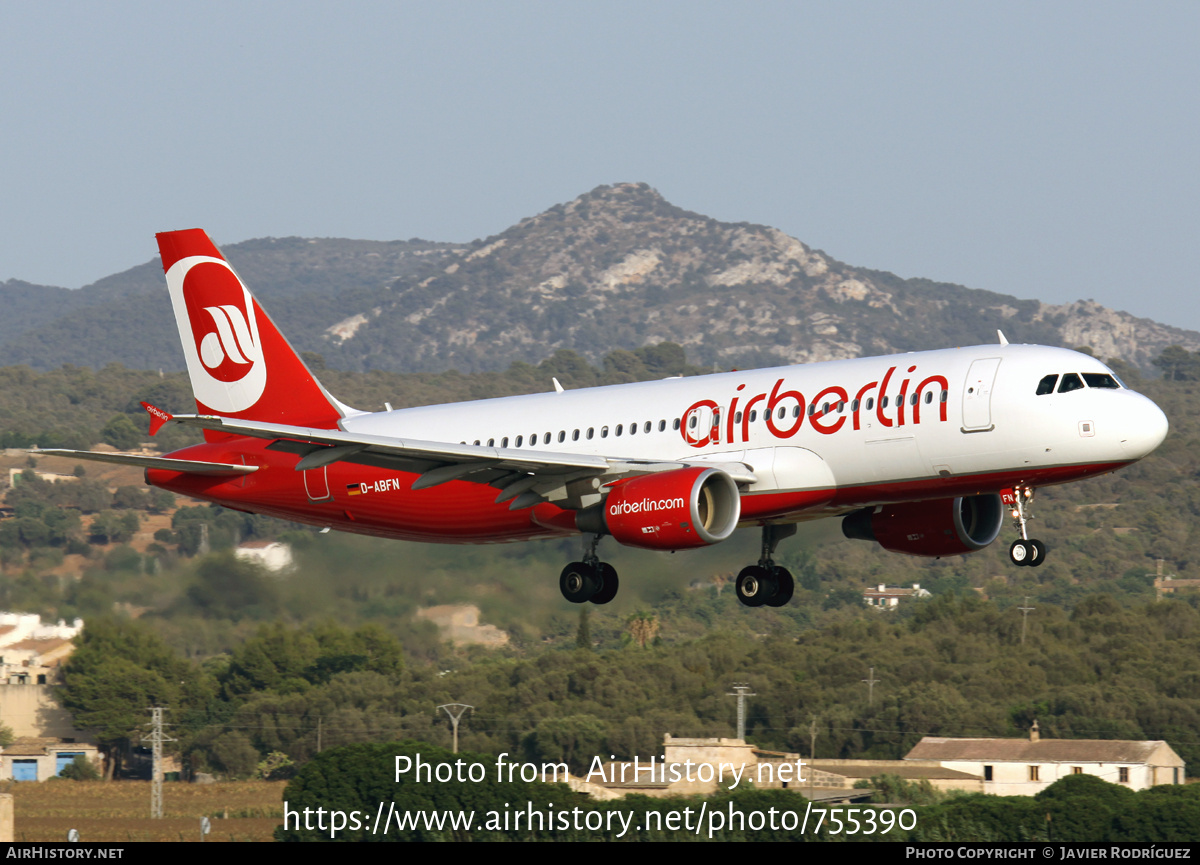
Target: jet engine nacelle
675	510
943	527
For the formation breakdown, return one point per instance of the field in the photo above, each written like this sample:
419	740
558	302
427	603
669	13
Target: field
117	811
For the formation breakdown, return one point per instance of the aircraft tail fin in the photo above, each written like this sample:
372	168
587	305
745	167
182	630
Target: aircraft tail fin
240	365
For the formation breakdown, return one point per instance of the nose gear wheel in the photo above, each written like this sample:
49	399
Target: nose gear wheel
1025	551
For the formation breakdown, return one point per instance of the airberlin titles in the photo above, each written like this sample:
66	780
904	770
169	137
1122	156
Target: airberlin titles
785	410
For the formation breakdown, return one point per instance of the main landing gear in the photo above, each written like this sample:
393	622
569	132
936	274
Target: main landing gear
589	580
1025	551
767	583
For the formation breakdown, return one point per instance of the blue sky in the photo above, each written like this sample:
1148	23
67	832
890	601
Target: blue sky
1044	150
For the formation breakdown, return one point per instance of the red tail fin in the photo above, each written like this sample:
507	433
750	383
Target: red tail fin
240	364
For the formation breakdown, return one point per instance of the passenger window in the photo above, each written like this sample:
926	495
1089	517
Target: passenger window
782	412
737	417
662	426
519	440
883	403
841	407
912	400
546	440
812	409
589	432
1046	385
692	422
621	426
753	416
870	403
504	442
562	436
796	410
649	426
928	397
603	432
824	408
575	436
1100	379
945	395
675	424
632	429
491	442
1070	382
477	442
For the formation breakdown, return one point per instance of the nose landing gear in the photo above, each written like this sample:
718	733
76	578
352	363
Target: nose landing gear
767	583
1024	551
589	580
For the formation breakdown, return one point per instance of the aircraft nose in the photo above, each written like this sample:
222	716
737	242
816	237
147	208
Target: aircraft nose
1144	428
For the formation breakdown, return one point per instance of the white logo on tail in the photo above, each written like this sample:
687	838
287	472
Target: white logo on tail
216	319
230	340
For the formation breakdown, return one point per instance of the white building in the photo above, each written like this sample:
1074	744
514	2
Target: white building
1023	767
887	597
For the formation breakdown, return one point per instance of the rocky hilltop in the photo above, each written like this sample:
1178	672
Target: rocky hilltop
620	267
617	268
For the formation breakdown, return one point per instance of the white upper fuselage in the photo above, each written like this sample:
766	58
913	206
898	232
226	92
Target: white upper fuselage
829	423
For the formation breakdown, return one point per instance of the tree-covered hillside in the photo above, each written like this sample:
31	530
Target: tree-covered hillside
1101	658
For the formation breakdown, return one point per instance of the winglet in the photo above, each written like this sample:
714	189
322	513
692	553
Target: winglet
1003	338
158	417
558	388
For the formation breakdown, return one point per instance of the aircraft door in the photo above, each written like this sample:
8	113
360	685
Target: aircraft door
699	426
977	395
316	484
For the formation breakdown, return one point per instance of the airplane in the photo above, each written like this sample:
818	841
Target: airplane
925	453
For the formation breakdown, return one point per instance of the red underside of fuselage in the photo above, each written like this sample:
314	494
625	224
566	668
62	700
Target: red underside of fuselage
372	501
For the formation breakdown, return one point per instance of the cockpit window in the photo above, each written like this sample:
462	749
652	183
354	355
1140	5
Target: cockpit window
1070	382
1100	379
1046	385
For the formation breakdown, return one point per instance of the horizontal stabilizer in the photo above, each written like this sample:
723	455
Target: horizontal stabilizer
191	466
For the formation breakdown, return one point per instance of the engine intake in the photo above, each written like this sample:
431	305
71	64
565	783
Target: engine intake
676	510
943	527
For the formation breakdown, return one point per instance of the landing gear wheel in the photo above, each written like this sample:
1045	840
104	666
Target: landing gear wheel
784	587
1038	554
608	583
1021	552
578	582
755	586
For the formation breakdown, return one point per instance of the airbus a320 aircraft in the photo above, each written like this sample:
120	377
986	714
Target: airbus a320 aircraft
923	453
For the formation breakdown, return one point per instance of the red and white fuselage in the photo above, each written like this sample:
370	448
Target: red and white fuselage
665	464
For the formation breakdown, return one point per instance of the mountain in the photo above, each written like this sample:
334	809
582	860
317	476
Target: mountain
618	267
305	284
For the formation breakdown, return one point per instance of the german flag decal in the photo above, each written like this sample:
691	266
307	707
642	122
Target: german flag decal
354	489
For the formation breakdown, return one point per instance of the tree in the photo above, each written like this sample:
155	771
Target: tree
121	433
583	636
643	628
355	778
119	670
1178	364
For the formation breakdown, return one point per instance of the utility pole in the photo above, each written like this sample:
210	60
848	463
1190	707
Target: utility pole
455	711
156	739
812	756
1025	611
1160	582
870	683
741	691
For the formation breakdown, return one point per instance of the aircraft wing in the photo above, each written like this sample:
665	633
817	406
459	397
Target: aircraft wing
524	475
